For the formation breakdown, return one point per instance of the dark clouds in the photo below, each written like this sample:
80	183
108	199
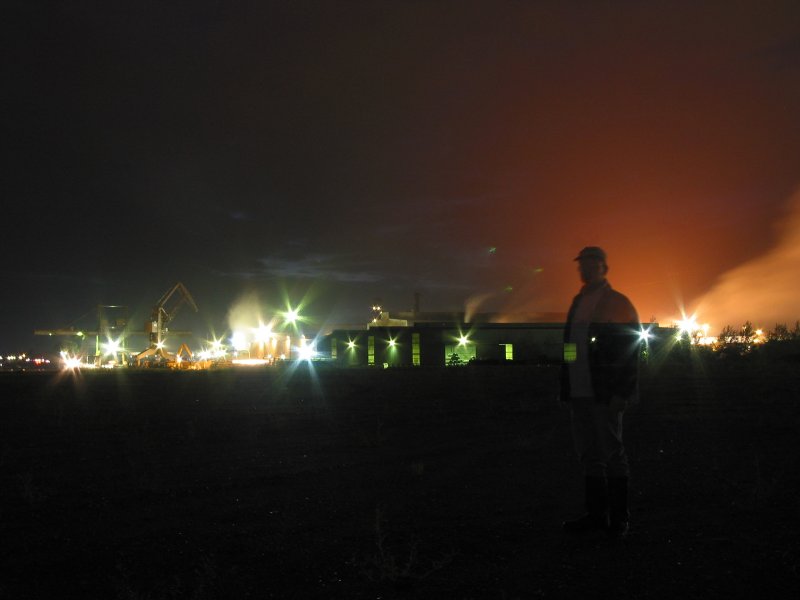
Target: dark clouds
378	148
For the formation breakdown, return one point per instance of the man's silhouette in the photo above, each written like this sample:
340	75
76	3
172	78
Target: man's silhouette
599	379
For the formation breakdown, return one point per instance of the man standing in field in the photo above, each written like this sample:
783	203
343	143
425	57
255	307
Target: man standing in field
599	379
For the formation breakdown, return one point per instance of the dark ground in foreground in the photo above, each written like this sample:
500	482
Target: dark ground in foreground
446	483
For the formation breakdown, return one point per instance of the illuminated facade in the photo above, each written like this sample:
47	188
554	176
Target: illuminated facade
436	344
439	344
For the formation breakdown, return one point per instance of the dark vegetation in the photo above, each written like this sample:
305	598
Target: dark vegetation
396	483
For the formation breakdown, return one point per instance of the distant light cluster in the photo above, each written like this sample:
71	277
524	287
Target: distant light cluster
21	362
696	333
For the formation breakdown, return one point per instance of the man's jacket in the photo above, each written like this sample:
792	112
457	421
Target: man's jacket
614	343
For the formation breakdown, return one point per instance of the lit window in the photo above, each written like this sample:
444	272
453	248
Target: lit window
456	354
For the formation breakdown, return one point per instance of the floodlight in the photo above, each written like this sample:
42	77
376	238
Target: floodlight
112	347
262	333
239	341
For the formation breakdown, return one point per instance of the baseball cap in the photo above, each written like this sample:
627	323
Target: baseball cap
592	252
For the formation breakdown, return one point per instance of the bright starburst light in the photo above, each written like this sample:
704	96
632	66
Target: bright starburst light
262	333
239	341
306	352
112	347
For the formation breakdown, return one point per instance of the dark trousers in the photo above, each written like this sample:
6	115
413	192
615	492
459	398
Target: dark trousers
597	432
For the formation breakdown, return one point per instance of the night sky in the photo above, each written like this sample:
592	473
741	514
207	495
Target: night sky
341	151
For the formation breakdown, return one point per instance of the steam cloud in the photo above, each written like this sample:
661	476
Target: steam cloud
245	313
764	290
473	303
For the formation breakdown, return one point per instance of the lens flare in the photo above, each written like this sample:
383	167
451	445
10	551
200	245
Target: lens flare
262	333
239	341
112	347
306	352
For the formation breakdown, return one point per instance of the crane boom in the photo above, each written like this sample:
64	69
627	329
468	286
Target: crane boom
164	312
186	297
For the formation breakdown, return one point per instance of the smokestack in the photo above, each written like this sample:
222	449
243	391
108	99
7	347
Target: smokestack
416	303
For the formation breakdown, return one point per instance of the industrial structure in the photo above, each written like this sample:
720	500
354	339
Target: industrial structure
406	339
432	339
446	343
112	323
424	338
163	313
436	344
112	330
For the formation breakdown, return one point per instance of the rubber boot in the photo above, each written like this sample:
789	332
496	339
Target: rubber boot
596	517
619	515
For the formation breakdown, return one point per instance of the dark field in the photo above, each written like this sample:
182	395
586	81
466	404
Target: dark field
446	483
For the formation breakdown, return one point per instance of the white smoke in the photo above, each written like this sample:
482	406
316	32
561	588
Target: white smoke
473	303
764	290
246	313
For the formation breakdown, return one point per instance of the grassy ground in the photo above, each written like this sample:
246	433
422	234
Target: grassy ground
445	483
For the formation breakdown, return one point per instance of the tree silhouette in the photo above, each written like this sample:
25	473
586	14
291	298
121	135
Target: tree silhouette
780	333
727	336
747	333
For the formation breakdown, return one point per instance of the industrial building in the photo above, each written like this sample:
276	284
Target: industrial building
429	344
426	339
406	339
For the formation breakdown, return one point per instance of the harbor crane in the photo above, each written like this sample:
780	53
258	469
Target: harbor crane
163	313
112	323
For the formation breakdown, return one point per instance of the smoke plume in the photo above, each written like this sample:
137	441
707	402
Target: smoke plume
764	290
246	313
473	303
